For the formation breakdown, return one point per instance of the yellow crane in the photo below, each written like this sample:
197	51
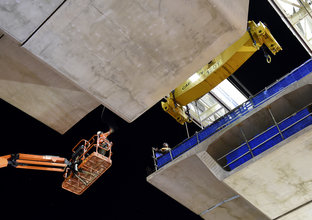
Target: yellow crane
219	69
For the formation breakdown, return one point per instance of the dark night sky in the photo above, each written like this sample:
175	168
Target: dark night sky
122	192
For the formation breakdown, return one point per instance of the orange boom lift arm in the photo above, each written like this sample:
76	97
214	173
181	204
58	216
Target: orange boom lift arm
90	159
35	162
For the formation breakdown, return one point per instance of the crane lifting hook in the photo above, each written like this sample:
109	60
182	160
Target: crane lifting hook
268	58
266	55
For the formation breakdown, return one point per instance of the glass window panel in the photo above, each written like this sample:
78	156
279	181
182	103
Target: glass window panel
209	108
228	94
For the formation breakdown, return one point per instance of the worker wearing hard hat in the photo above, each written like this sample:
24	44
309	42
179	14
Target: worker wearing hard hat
165	149
103	142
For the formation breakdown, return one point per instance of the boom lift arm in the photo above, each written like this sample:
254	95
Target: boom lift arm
219	69
35	162
90	159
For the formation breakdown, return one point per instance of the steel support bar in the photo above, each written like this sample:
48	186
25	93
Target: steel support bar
290	26
247	142
171	155
40	168
187	131
217	205
41	163
43	158
200	121
154	158
276	124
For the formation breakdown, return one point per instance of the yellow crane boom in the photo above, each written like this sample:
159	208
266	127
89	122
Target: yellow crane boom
219	69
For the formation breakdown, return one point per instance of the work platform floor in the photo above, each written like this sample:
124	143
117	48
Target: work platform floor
89	171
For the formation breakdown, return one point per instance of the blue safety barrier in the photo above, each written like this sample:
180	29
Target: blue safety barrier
265	141
271	137
237	113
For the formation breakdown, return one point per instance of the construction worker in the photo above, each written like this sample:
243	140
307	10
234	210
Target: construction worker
162	151
104	144
165	148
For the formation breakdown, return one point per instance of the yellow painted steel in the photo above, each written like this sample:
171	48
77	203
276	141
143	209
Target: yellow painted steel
220	68
175	111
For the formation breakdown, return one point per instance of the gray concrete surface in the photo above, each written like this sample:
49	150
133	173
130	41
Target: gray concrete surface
20	18
274	185
191	180
130	54
39	90
303	213
280	181
127	55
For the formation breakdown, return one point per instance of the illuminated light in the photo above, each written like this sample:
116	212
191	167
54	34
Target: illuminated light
226	92
223	98
194	77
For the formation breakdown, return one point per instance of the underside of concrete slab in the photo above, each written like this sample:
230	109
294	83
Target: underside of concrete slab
126	54
192	181
38	90
21	18
281	181
131	54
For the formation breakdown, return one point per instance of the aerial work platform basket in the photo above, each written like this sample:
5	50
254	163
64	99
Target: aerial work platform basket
88	172
90	160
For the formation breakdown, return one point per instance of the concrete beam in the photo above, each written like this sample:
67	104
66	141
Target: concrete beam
192	181
280	181
21	18
302	213
279	177
276	183
37	89
130	54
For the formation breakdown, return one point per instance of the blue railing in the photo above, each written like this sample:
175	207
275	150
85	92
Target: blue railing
269	138
237	113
